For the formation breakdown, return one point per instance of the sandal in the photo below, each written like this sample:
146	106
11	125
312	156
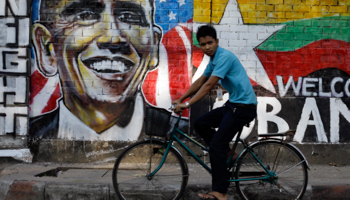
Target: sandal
211	196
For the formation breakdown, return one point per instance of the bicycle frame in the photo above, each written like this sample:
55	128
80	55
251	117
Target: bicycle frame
174	138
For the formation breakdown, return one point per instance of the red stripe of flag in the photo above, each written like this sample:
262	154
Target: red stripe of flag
302	62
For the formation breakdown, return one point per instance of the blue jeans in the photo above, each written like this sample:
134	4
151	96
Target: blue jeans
229	119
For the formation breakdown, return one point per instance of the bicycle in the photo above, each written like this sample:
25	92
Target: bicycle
155	168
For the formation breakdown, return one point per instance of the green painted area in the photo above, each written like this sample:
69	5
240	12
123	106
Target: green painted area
303	32
195	41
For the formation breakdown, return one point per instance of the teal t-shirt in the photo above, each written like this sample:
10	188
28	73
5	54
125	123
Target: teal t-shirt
233	77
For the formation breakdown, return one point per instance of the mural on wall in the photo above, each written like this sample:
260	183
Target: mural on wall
97	64
297	56
14	68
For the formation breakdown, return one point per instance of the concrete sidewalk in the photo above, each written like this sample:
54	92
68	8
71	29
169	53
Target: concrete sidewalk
94	181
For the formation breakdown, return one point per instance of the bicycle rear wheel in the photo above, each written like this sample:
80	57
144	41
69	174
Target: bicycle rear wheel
287	165
132	167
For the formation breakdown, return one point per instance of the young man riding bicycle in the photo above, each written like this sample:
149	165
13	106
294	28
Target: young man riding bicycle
224	68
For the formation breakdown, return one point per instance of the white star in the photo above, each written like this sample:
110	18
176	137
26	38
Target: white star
242	39
162	1
181	2
172	16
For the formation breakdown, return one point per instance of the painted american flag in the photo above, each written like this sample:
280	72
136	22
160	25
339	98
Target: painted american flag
172	78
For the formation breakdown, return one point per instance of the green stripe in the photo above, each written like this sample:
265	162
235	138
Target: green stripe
296	34
195	41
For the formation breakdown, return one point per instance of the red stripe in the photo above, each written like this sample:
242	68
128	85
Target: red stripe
52	102
37	82
179	79
178	66
197	56
149	87
177	59
315	56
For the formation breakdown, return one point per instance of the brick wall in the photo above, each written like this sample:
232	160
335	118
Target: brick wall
296	54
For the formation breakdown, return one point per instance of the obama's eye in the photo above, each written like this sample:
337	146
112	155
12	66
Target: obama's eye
131	18
131	13
87	18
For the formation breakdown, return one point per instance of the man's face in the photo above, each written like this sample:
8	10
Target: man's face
208	45
103	47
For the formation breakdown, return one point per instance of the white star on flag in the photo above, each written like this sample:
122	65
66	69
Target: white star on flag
172	16
181	2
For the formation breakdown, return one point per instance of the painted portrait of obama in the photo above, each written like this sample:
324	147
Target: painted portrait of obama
101	51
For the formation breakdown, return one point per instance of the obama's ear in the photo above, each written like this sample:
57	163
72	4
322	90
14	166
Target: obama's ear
157	37
44	50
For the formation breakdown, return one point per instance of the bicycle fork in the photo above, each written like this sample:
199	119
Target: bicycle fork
164	153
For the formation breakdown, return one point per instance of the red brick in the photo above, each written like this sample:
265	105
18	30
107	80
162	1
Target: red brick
331	192
24	190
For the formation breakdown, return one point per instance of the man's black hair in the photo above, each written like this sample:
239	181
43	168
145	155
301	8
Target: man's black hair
206	30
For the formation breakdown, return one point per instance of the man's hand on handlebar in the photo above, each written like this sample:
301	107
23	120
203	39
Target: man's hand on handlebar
177	106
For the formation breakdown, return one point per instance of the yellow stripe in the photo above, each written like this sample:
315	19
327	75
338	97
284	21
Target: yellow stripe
279	11
201	11
271	11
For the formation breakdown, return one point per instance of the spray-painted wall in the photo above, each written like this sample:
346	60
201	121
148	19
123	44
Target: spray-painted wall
14	78
297	56
99	63
95	65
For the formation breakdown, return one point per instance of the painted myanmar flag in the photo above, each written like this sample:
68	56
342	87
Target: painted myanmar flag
307	46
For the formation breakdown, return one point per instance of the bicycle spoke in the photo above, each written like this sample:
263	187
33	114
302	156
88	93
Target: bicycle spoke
284	171
276	161
285	165
131	173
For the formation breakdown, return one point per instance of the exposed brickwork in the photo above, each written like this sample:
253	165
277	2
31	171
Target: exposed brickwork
331	193
25	190
278	11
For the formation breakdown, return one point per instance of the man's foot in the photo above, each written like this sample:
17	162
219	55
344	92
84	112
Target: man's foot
213	196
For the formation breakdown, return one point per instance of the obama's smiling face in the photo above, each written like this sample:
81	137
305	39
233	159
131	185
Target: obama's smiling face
101	49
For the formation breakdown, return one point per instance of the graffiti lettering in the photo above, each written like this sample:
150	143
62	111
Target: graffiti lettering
13	61
312	87
310	109
14	57
14	121
337	109
13	86
16	7
17	32
270	110
265	116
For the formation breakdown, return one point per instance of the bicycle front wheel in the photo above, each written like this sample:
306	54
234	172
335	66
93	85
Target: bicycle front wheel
287	167
131	172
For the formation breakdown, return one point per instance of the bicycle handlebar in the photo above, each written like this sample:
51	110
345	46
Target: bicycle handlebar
172	107
179	113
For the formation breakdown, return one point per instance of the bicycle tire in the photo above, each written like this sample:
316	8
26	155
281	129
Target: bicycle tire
284	160
131	168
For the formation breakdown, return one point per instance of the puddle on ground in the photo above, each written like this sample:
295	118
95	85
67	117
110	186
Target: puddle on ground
53	172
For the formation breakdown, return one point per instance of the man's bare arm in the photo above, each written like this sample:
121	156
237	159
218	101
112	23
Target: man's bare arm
200	88
204	89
